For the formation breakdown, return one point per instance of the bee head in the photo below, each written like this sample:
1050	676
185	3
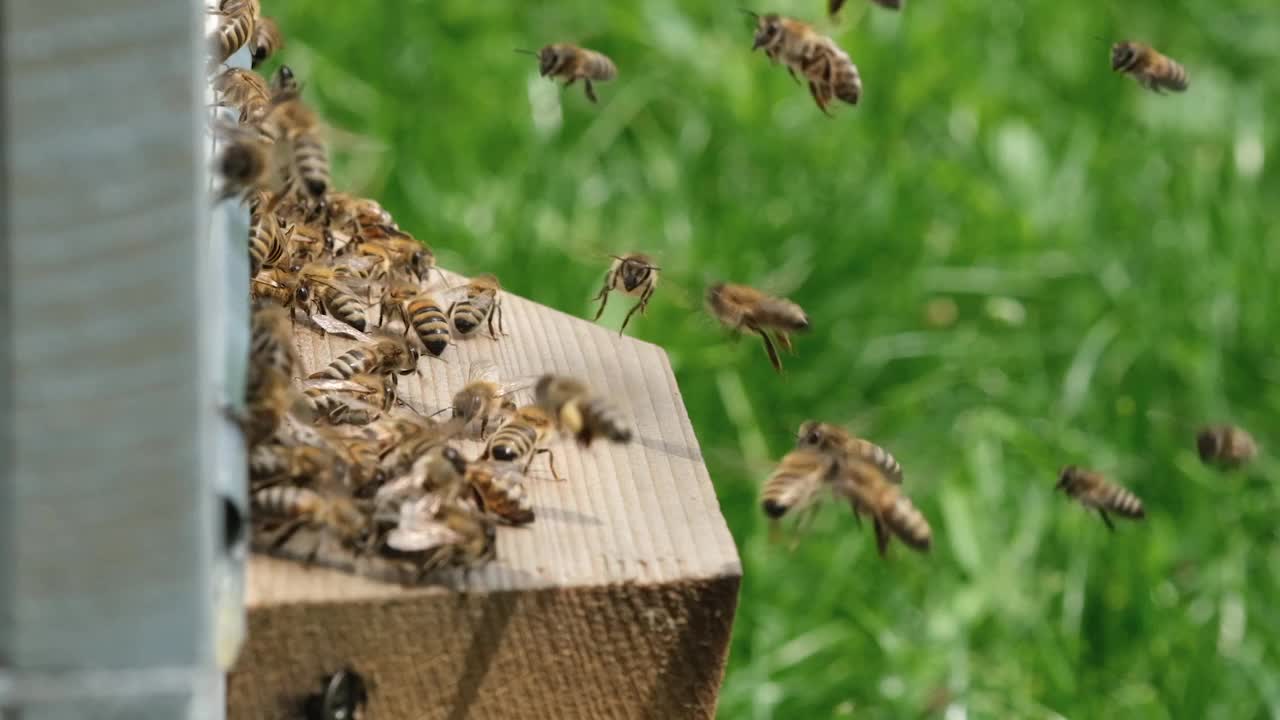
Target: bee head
421	260
634	272
284	76
774	509
454	458
548	59
1122	55
768	27
1207	444
302	294
259	54
810	435
1065	475
239	162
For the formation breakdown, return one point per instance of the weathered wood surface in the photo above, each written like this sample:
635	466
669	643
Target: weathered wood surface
616	602
108	515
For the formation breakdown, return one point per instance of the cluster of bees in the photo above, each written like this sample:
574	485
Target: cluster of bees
339	454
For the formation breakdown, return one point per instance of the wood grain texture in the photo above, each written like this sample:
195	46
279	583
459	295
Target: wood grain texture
616	602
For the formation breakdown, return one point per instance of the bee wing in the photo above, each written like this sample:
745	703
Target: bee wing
422	538
482	371
358	263
331	385
334	326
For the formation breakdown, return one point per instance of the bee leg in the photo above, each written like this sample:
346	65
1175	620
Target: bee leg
792	73
769	348
551	461
1106	519
591	91
882	537
603	297
627	319
785	341
286	532
817	98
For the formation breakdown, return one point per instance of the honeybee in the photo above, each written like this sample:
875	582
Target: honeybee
267	247
271	340
247	161
269	398
289	509
1148	67
438	469
234	28
1225	446
394	251
284	82
428	320
840	444
740	306
522	437
343	697
319	287
276	284
243	90
379	355
632	274
295	126
499	490
803	473
479	304
435	536
358	401
272	464
578	411
266	40
356	212
482	399
1097	493
817	57
571	63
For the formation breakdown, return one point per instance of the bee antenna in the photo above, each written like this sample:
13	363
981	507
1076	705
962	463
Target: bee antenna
750	13
440	411
522	51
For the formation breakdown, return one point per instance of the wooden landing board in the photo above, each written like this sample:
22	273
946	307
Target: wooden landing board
628	573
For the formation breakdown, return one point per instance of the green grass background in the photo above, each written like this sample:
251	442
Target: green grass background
1111	256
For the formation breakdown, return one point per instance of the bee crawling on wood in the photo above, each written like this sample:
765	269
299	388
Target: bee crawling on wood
499	491
432	535
571	63
292	508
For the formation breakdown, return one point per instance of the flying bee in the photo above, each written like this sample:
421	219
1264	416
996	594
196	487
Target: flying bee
632	274
1225	446
358	401
483	400
796	483
284	83
830	72
740	306
248	161
295	126
344	697
319	287
267	246
289	509
1097	493
244	91
578	411
522	437
840	444
499	491
479	305
266	40
870	491
571	63
235	26
273	464
1148	67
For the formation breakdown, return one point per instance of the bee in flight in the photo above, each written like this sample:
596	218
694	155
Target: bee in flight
1225	446
631	274
833	6
578	411
741	307
1097	493
1149	68
828	69
571	63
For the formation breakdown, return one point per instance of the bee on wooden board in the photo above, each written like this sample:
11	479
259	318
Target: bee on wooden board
1225	446
266	40
801	48
499	491
570	63
343	697
320	289
267	245
378	354
478	306
295	126
274	464
358	401
579	412
288	509
438	469
522	437
740	307
244	91
433	536
354	212
235	25
484	401
1149	68
1095	492
632	274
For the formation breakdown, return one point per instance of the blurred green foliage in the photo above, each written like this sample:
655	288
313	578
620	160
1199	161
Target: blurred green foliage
1109	254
